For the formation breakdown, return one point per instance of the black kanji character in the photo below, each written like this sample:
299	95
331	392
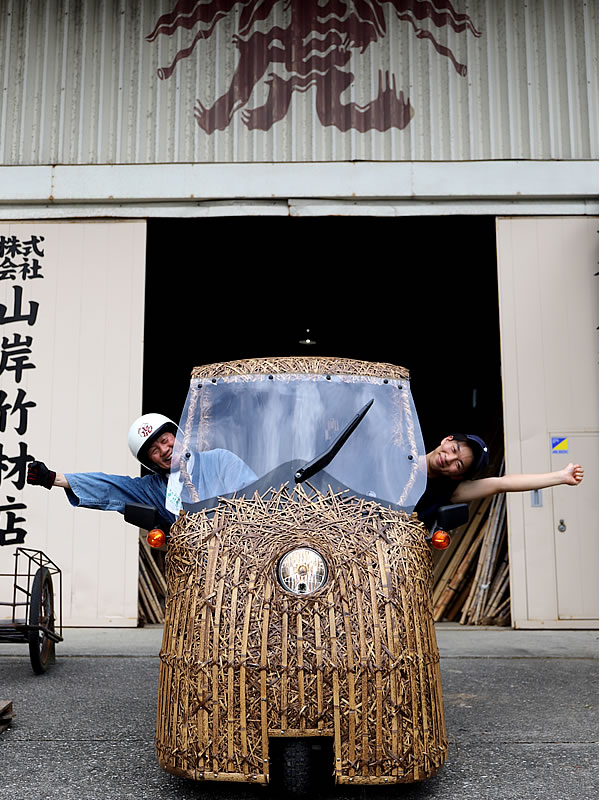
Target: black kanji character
18	407
17	315
10	245
8	270
30	271
10	534
19	465
14	356
32	244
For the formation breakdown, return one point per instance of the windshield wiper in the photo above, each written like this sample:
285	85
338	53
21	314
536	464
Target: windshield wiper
320	462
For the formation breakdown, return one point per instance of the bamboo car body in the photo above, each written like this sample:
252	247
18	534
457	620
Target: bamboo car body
244	661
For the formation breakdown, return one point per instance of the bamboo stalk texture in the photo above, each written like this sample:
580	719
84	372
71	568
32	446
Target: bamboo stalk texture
243	660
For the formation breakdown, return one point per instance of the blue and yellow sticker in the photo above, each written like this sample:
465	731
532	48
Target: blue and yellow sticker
560	445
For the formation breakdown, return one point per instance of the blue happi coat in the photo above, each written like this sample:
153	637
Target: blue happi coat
215	473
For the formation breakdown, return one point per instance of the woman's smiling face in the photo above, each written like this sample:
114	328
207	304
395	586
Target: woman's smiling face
450	459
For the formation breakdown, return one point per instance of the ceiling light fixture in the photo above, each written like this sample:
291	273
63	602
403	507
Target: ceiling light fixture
307	340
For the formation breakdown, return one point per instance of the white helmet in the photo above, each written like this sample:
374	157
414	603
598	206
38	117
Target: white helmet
143	432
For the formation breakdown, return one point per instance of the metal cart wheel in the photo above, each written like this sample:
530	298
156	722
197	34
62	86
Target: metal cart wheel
41	620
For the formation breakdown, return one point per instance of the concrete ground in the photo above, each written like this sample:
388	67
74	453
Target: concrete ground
521	712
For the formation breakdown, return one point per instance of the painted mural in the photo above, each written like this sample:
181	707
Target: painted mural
298	81
307	45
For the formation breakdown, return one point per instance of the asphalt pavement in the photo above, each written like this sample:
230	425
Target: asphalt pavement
521	713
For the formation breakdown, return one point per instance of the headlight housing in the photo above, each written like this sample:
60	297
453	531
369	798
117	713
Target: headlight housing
302	571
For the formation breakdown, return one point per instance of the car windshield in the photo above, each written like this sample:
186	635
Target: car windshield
247	433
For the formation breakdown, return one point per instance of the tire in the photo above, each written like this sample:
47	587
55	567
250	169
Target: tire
41	612
296	767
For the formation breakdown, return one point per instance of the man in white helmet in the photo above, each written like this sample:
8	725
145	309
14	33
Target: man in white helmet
152	440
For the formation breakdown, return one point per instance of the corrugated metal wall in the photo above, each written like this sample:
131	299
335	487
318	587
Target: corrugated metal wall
80	82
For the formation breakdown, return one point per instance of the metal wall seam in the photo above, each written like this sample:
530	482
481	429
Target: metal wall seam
6	39
590	30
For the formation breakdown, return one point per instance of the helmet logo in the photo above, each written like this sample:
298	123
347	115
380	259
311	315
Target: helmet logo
145	430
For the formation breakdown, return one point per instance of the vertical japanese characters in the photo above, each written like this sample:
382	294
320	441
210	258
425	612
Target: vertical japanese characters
21	262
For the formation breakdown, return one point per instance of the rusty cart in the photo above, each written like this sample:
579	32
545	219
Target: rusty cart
33	618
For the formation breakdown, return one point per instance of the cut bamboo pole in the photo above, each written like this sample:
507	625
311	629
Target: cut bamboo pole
152	585
494	532
455	607
157	575
497	588
455	583
487	558
497	536
477	520
149	598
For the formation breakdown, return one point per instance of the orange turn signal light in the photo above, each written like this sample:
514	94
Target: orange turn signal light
156	537
441	540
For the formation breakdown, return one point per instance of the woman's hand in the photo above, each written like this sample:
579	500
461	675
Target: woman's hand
572	474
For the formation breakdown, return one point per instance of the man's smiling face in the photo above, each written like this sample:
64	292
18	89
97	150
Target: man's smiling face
160	451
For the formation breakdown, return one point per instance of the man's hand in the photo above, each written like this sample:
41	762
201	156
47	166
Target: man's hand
573	474
38	474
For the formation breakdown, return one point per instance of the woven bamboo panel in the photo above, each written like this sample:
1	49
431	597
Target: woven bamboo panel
244	660
318	365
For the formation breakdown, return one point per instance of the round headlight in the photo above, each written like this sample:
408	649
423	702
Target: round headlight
302	571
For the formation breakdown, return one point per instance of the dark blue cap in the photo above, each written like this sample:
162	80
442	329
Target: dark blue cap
479	448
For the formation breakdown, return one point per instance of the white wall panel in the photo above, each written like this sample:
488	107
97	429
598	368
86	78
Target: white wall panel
86	382
548	291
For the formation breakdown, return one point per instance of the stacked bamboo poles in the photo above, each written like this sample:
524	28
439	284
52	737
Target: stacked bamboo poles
453	574
152	586
471	584
243	660
480	602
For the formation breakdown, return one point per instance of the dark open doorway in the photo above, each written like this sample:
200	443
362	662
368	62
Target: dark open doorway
421	292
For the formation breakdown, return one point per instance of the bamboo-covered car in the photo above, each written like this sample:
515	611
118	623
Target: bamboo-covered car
299	603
